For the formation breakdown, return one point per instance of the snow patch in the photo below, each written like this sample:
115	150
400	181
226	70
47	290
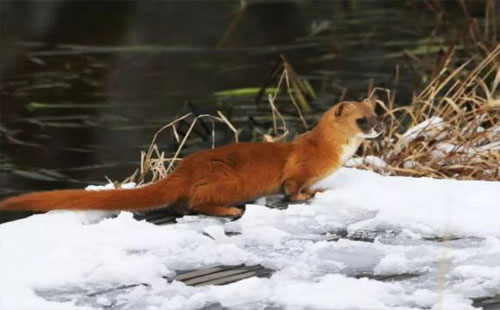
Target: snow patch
432	127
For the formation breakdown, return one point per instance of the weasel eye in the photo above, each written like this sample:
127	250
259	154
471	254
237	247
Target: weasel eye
361	121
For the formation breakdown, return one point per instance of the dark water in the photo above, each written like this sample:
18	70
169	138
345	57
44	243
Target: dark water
85	85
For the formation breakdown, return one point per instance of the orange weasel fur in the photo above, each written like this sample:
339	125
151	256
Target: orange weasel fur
212	181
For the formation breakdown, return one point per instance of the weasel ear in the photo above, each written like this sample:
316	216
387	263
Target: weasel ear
339	109
368	101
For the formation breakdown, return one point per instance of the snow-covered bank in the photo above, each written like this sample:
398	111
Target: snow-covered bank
468	208
82	251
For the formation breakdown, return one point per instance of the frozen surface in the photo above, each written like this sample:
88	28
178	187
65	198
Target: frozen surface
447	233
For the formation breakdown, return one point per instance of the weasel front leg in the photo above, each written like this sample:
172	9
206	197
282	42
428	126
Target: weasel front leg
294	191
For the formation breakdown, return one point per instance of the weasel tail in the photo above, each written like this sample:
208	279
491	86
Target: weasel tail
156	195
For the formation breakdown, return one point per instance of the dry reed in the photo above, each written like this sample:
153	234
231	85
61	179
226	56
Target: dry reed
450	130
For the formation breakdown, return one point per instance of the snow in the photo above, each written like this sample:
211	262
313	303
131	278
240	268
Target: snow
429	129
445	232
423	204
452	148
109	186
371	160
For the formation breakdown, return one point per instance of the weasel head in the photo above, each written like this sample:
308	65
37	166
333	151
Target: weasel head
355	119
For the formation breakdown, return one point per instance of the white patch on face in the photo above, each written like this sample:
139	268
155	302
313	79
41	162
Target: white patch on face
372	134
350	148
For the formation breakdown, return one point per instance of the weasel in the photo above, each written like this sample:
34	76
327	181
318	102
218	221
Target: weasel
212	181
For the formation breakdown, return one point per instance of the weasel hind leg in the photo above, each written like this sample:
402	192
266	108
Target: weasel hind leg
313	192
219	210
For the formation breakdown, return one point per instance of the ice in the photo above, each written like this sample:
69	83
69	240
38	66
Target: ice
445	234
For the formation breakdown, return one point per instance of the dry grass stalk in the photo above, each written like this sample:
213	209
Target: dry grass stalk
454	126
297	90
279	132
156	164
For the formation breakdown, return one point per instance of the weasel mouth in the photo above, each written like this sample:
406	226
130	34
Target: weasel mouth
371	134
369	127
